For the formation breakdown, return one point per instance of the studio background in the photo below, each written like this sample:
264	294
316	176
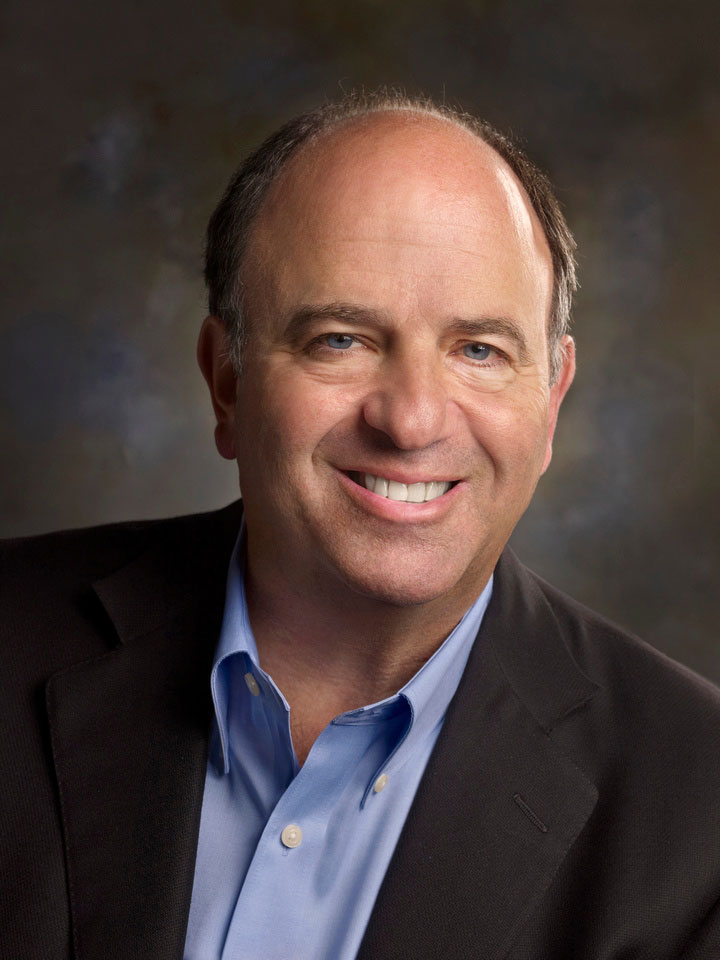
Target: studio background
122	124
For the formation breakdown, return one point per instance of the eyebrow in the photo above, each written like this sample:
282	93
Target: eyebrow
349	314
500	326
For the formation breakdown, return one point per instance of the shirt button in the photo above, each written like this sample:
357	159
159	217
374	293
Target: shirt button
291	835
380	783
252	684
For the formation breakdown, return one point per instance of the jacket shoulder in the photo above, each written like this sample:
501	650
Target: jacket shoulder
94	552
621	663
48	609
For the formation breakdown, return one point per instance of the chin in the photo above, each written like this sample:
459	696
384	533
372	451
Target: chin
405	570
404	588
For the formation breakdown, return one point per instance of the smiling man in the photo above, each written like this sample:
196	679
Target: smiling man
346	721
395	407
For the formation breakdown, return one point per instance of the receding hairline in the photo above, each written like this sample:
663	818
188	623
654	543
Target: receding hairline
379	118
377	115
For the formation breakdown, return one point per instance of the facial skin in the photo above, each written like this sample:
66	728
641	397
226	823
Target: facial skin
398	288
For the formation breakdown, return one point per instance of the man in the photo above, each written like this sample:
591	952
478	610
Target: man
381	736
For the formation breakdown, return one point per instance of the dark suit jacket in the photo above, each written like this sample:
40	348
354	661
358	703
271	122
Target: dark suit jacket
570	809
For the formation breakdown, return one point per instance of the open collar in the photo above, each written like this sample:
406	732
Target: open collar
426	694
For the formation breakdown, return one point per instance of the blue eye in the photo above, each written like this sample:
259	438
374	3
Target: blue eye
339	341
477	351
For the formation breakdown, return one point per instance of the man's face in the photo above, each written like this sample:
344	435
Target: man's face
398	289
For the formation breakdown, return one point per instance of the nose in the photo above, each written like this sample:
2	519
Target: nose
410	404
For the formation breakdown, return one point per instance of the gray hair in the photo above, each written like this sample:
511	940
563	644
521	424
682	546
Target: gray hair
230	225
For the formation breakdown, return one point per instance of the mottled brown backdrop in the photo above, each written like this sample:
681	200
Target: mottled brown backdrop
122	123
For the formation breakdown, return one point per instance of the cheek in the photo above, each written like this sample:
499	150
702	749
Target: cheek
513	431
289	416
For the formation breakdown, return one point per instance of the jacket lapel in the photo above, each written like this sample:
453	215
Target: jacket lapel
500	804
129	737
496	813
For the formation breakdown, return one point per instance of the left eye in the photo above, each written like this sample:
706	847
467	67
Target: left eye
339	341
477	351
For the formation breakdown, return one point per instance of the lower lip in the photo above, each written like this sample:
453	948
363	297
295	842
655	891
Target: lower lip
399	510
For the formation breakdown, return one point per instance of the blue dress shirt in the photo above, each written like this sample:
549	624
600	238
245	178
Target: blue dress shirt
290	859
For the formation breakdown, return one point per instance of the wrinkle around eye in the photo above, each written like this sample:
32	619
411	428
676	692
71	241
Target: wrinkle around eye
319	346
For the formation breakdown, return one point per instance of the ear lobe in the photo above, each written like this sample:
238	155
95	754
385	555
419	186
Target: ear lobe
213	355
558	390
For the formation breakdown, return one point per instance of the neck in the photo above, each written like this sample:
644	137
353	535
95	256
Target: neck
329	654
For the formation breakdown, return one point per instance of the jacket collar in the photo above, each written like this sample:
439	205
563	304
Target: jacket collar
533	646
500	804
129	741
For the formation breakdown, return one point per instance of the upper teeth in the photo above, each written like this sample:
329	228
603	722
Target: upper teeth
410	492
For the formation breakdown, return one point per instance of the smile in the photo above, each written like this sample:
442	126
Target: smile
420	492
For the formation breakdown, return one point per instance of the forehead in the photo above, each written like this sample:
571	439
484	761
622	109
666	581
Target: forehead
403	196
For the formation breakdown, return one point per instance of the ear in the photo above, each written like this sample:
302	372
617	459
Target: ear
213	354
558	390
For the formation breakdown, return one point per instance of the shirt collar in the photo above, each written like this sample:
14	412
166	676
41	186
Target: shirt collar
431	689
428	693
236	637
236	634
